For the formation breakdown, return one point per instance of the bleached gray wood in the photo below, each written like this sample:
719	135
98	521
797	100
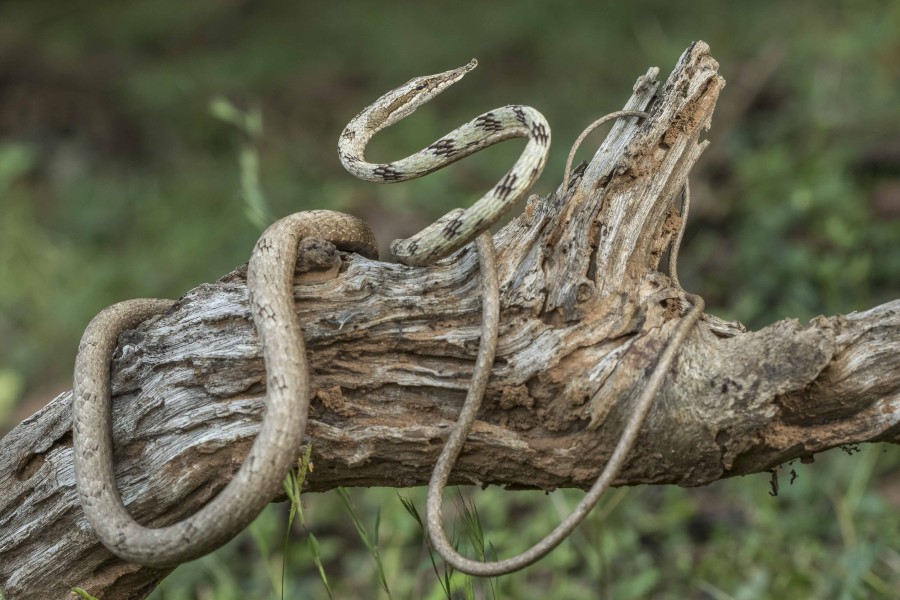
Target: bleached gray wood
585	314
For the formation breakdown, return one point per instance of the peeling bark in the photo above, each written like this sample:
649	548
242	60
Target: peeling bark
585	315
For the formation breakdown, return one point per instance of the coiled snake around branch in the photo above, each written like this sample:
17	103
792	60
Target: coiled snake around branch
270	283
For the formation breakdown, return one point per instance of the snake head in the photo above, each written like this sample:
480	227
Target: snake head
404	100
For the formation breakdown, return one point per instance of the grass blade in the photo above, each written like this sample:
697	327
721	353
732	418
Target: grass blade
364	536
317	559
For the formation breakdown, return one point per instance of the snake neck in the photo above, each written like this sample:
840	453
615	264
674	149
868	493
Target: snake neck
390	108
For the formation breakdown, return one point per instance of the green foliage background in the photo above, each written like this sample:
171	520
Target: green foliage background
117	181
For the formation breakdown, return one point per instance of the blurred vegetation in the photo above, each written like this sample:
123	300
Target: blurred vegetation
130	134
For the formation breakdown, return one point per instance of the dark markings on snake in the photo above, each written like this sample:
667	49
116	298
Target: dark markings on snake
443	147
412	247
505	187
265	311
451	229
488	122
520	114
277	382
539	133
264	243
387	172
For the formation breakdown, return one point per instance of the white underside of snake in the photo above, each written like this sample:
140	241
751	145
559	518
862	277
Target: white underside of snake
270	283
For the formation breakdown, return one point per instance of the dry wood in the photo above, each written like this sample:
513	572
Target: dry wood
585	315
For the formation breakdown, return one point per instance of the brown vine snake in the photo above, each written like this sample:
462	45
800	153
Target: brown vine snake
270	281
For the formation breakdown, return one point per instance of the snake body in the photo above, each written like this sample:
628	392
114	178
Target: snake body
458	227
270	277
270	281
486	352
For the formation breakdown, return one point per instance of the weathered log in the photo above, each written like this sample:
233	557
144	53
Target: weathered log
585	314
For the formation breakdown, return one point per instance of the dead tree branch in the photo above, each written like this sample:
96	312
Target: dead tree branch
585	314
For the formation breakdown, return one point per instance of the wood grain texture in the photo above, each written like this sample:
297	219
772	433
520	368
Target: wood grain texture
585	313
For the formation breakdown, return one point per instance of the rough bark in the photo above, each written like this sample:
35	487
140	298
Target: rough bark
585	314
